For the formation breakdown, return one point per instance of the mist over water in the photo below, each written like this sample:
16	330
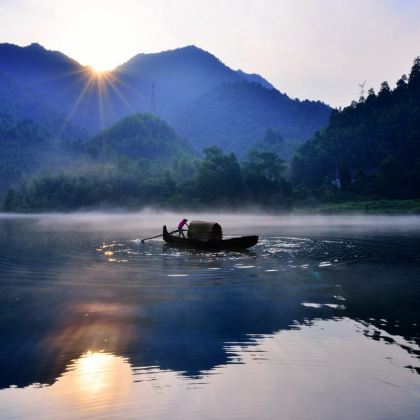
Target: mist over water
319	320
152	219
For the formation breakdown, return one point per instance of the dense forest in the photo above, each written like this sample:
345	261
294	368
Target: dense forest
369	151
141	161
26	148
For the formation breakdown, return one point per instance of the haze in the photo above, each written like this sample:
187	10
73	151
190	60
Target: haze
314	50
135	225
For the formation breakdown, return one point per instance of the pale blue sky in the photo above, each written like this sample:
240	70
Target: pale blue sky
316	49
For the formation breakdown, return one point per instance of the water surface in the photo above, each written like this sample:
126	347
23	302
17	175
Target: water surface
318	321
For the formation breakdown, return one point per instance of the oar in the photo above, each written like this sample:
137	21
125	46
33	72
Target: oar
158	236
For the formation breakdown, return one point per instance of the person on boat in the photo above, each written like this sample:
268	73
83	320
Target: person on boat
181	225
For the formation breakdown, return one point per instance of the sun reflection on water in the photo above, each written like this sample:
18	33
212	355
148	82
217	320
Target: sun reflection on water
94	371
96	380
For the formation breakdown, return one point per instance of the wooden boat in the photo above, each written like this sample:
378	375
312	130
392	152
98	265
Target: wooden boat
234	244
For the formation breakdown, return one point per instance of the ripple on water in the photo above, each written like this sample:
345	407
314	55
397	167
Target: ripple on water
199	325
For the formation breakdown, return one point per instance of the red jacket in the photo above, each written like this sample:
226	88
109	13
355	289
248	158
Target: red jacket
181	224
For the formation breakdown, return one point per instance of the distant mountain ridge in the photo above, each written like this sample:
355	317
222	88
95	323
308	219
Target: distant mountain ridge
166	83
18	103
44	64
255	78
234	115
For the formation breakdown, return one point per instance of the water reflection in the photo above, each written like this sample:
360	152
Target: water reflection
309	368
112	324
96	378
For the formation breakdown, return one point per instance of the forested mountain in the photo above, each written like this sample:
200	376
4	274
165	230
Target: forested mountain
169	84
274	142
234	116
179	76
371	148
58	81
139	137
34	65
130	160
27	148
18	103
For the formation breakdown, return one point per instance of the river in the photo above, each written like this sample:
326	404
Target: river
320	320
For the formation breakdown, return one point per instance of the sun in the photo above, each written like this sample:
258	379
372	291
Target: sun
101	63
99	71
101	38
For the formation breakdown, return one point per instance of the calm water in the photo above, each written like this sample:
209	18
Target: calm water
319	321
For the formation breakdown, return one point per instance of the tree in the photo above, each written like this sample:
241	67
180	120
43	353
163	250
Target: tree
402	82
360	182
365	135
393	177
384	94
12	201
219	177
414	77
266	165
273	137
384	88
344	176
263	175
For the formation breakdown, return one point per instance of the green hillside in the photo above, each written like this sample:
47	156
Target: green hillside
139	136
371	148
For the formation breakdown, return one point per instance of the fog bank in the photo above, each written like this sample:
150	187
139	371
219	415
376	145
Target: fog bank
150	220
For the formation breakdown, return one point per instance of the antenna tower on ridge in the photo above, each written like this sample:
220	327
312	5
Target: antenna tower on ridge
362	88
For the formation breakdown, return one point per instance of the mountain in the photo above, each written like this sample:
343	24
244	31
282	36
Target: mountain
274	142
34	65
234	116
370	148
25	148
169	84
139	136
255	78
133	162
179	76
59	82
18	103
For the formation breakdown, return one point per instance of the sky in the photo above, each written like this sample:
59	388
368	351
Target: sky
309	49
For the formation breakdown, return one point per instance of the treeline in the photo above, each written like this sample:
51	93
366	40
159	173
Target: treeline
218	179
370	149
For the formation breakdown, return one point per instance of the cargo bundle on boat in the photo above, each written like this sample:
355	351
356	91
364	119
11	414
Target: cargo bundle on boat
208	235
204	231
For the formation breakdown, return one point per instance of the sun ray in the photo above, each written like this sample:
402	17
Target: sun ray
82	70
131	88
100	85
89	82
110	79
101	92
